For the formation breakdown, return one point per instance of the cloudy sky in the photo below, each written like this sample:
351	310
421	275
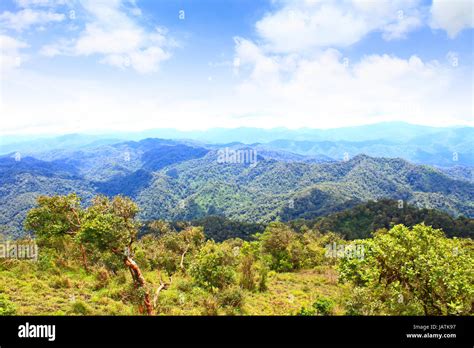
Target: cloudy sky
95	65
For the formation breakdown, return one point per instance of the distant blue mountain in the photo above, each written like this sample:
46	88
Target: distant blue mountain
445	147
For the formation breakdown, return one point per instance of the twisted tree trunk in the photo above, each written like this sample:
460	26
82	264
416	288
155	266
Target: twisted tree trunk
139	282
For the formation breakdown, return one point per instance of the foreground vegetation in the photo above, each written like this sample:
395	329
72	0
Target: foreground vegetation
92	263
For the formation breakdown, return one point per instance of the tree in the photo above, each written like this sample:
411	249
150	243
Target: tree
253	270
411	271
111	226
57	217
108	226
169	251
287	249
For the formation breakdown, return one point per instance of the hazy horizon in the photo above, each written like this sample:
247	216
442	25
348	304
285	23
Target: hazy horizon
105	132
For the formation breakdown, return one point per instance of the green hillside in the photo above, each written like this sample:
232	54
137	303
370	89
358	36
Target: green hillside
174	180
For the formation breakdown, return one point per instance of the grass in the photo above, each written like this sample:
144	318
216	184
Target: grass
288	292
73	291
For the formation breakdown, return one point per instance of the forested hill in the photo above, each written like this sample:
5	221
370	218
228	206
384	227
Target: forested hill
364	219
183	180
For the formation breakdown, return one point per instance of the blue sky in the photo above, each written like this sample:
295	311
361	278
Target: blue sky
85	65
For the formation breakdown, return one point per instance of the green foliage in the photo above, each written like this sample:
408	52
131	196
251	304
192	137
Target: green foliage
253	273
232	297
412	271
220	228
158	228
286	249
110	225
206	187
172	251
214	266
80	308
56	216
364	219
322	306
253	267
210	306
402	271
6	306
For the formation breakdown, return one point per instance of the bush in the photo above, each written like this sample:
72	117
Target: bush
214	266
322	306
210	306
79	307
247	278
287	249
231	297
6	306
172	251
414	271
184	285
61	282
102	278
253	274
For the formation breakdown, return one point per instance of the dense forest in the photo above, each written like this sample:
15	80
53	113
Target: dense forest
358	222
364	219
180	180
100	259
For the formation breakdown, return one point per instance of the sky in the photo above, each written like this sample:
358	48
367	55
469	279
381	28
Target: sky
69	66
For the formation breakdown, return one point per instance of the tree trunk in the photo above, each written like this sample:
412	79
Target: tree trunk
84	258
83	250
140	282
161	287
181	264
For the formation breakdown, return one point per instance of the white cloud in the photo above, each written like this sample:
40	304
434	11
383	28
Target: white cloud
299	25
111	33
26	18
401	28
10	53
286	77
324	91
40	3
272	91
292	73
452	16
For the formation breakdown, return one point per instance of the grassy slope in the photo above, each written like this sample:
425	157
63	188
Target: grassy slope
72	291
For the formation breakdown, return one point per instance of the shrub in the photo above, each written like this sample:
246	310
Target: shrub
247	278
210	306
287	249
184	285
214	266
412	271
322	306
102	278
7	307
231	297
60	282
79	307
253	274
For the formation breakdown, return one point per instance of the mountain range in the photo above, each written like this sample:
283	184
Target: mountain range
184	179
439	146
